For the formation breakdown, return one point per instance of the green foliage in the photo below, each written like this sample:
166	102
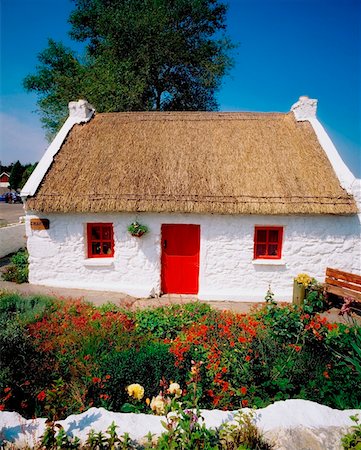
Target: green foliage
16	175
352	440
284	322
139	55
25	309
187	431
145	365
28	170
19	174
136	229
60	358
168	322
243	434
18	270
314	301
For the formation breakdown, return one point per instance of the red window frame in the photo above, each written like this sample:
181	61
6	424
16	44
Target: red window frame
268	243
104	228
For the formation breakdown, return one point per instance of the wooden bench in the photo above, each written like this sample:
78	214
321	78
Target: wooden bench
343	284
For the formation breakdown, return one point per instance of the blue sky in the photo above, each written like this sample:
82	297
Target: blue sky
287	48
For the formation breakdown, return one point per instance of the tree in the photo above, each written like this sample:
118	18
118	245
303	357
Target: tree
28	170
16	175
139	55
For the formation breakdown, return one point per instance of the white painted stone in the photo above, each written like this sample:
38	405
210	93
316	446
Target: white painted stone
279	418
12	238
80	112
227	270
305	108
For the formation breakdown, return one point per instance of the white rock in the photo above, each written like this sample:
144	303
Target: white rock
286	423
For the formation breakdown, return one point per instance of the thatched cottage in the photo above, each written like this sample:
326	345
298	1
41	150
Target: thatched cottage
233	202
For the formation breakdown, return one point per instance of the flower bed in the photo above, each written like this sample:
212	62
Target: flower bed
61	358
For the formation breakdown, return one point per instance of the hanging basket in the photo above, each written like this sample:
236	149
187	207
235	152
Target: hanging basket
137	230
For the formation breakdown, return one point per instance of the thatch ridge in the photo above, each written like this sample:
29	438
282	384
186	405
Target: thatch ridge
200	162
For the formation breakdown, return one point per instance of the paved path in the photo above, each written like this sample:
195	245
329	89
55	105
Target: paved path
126	301
101	297
10	213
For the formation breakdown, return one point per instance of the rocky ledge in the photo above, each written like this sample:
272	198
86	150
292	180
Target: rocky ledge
289	425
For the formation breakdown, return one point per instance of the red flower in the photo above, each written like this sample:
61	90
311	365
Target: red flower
7	389
2	407
325	374
244	403
41	396
248	358
243	390
107	377
96	380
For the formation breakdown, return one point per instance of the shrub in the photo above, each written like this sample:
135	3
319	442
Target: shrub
146	365
18	271
352	440
168	322
25	309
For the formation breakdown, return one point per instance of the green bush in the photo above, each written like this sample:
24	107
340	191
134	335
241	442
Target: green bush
352	440
18	271
146	366
168	322
25	309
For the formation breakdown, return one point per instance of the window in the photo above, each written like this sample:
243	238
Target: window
100	240
268	242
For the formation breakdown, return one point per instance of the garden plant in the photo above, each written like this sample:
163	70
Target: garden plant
63	357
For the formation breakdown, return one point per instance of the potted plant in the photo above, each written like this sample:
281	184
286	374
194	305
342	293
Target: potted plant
137	230
300	284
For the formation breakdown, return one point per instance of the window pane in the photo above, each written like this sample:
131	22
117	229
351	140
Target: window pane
261	236
272	249
260	250
95	248
95	233
107	248
273	236
106	232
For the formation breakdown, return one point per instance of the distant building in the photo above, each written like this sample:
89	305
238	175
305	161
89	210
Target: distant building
4	180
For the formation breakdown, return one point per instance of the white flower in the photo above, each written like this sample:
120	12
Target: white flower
175	389
158	404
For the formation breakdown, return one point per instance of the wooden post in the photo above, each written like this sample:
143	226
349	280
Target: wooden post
298	293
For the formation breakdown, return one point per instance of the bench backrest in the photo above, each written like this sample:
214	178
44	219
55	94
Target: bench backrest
348	283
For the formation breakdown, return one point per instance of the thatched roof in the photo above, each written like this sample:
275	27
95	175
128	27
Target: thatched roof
192	162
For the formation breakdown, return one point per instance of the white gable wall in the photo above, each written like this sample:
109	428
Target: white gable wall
227	269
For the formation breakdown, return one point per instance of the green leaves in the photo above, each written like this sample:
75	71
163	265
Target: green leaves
139	55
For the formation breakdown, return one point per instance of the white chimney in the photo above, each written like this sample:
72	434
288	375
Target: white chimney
81	110
305	108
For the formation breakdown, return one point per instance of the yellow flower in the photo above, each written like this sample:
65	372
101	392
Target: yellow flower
303	278
158	404
136	391
175	389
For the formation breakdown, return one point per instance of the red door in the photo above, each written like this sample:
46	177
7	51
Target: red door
180	258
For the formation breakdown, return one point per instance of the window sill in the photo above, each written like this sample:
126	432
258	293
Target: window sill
269	262
100	262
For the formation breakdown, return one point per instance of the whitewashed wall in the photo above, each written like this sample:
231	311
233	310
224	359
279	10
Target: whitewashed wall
227	269
12	238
